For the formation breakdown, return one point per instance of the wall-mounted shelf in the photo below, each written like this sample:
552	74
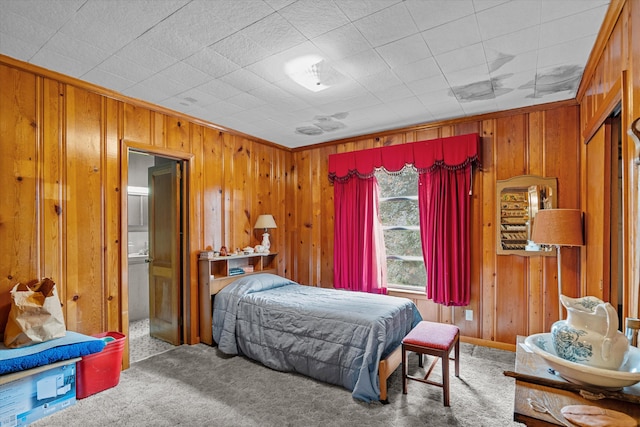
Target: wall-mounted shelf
518	200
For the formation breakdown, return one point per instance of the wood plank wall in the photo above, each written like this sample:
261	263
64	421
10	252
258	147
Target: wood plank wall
612	78
62	171
511	295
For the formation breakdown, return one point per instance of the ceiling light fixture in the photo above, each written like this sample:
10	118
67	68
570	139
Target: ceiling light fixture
311	72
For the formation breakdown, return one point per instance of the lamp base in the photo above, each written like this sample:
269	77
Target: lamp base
265	242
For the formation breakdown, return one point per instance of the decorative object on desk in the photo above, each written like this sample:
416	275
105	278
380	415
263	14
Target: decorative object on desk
590	335
559	227
223	251
266	222
589	415
206	255
248	250
259	249
577	373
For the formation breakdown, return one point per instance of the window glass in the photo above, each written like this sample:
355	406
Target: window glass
401	228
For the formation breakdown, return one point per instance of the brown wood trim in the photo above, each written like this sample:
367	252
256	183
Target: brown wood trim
614	96
487	343
439	124
610	20
62	78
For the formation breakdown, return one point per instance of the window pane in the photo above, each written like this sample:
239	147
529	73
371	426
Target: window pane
399	212
403	242
404	184
409	273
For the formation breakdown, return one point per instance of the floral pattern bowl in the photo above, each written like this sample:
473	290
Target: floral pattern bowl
628	374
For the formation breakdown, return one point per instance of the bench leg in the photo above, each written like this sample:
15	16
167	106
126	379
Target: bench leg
404	370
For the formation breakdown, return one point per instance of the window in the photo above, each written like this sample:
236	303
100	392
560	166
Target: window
401	228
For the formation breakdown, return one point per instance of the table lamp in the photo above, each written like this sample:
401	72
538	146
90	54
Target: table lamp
558	227
266	222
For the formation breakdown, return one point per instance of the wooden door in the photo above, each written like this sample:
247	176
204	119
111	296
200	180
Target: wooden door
164	252
597	223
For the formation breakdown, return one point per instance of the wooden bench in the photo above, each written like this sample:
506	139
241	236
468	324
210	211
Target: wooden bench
435	339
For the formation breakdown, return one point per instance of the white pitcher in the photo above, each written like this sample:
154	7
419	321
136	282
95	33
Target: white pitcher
590	335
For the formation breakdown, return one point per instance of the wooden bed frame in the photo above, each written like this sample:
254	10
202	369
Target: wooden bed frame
208	289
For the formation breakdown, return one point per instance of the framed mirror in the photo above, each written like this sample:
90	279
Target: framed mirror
518	200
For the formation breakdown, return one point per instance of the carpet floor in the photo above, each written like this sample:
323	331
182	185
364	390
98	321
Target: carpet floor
199	386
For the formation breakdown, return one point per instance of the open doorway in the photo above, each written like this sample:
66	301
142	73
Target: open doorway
154	299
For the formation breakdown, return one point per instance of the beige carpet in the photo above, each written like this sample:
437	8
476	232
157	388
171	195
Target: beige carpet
199	386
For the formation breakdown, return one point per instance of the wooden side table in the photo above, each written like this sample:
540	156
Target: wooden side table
531	372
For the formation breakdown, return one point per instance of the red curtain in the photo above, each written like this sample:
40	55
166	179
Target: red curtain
445	167
359	257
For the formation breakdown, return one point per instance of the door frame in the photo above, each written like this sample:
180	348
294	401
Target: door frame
188	296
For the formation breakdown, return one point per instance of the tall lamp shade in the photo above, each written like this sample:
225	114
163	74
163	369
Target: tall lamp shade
558	227
265	222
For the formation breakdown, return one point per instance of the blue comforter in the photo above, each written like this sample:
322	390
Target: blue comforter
332	335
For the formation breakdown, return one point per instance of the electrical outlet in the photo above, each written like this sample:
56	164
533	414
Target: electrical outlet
468	315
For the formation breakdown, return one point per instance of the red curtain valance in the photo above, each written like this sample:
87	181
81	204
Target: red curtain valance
450	153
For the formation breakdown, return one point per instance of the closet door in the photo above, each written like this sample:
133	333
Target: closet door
597	217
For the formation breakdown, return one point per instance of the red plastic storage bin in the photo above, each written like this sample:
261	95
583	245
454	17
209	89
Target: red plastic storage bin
100	371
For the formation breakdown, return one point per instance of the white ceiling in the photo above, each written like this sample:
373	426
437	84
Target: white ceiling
394	63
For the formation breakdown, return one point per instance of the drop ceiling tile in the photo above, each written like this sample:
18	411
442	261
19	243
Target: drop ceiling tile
437	97
240	49
219	89
452	35
274	34
122	67
359	9
223	109
479	5
471	75
362	64
243	80
272	68
376	29
17	48
239	14
508	18
571	27
342	42
250	115
279	4
553	9
479	107
186	74
25	29
394	93
60	63
410	106
571	52
146	56
428	84
463	58
418	70
73	48
432	13
211	62
199	98
404	51
525	40
380	81
446	110
146	92
246	101
106	79
165	85
51	14
313	18
509	64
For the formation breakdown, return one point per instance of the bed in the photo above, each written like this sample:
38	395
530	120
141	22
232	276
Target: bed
351	339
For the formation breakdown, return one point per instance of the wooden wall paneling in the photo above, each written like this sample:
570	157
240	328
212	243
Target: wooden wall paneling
84	214
328	219
426	134
536	291
485	313
238	185
315	228
51	165
213	168
304	199
631	180
19	183
157	129
113	221
137	124
194	230
177	134
512	281
292	216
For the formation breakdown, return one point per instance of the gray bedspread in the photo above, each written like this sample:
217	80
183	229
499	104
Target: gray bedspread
335	336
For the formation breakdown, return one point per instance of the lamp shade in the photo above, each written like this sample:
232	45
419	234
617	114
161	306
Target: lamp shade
561	227
265	221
